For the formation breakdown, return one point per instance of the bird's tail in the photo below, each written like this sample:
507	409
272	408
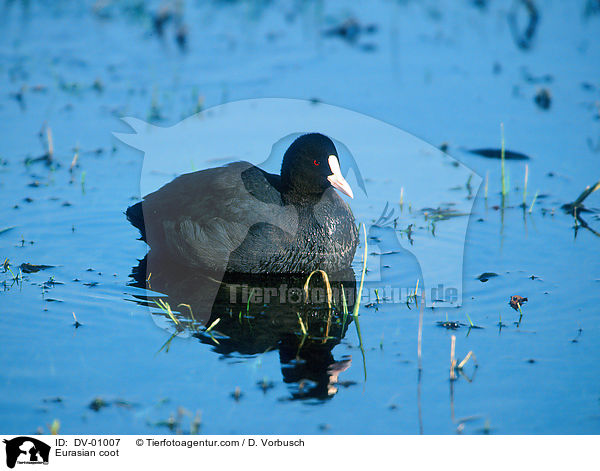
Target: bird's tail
135	216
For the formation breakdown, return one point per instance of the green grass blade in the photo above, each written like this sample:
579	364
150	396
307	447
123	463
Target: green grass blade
344	310
502	160
357	305
533	202
217	320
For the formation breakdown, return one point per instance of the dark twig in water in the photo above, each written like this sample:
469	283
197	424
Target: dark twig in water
578	203
48	156
455	365
576	208
497	154
524	39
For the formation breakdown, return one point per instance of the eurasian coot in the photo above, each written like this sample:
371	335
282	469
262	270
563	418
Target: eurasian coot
241	219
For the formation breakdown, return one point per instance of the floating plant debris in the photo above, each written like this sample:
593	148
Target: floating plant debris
237	394
543	98
265	385
577	205
31	268
486	276
350	30
450	325
497	154
97	404
441	213
54	400
524	37
517	301
160	19
529	78
123	404
51	283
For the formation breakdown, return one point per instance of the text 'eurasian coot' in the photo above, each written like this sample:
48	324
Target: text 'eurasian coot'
241	219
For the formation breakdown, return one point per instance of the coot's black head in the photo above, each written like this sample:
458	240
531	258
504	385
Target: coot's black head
311	166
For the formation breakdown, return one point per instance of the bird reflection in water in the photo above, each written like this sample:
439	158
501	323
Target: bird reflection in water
251	314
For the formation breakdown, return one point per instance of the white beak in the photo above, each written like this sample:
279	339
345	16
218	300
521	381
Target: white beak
336	179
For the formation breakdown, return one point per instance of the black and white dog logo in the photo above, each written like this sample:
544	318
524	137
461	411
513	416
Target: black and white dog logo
26	450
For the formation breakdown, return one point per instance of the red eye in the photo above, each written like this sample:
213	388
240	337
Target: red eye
316	163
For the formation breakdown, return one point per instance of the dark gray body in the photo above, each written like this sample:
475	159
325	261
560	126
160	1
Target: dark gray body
235	219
